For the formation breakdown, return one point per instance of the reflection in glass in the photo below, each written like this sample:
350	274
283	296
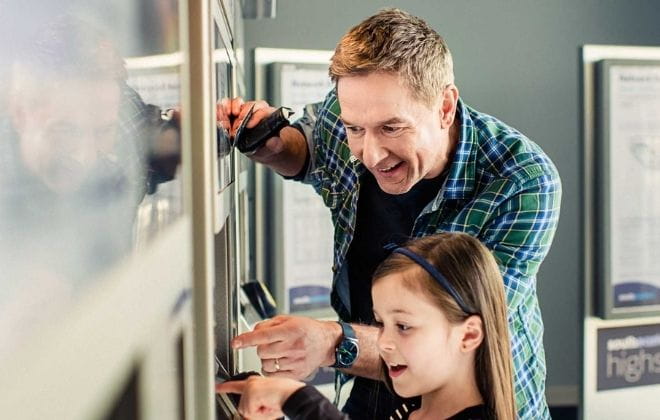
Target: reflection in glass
223	90
80	150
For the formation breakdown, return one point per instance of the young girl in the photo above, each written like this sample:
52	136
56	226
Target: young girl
440	306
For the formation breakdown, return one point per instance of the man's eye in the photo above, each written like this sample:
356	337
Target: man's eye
354	130
388	129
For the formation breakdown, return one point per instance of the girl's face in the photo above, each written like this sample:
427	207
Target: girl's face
416	341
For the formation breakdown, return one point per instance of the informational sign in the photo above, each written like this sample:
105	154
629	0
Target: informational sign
628	202
628	357
308	248
301	84
306	225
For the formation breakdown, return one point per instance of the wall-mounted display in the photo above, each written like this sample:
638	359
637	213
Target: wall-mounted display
627	185
302	271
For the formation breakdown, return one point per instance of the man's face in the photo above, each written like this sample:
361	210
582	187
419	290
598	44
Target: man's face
398	138
66	129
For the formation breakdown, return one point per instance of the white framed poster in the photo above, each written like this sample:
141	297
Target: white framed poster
303	221
627	186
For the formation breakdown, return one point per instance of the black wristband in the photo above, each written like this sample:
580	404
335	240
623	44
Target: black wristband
303	171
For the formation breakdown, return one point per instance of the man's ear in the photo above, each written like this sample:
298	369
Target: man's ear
448	106
473	333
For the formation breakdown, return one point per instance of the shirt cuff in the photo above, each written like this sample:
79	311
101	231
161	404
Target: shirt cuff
299	400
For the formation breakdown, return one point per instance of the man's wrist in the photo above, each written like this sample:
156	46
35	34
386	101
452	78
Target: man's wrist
291	159
334	336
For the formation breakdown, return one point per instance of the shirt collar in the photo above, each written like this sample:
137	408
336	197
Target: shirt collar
460	181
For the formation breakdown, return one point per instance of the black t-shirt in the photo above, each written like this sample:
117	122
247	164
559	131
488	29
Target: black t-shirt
381	218
476	412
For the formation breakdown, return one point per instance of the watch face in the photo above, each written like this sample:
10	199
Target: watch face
347	352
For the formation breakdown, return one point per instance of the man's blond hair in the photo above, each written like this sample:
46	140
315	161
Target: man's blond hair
394	41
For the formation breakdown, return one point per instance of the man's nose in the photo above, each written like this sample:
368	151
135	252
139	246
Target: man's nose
373	151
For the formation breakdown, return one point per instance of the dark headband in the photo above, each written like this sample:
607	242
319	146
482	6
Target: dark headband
435	274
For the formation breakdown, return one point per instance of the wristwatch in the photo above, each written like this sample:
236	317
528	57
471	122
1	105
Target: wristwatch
348	349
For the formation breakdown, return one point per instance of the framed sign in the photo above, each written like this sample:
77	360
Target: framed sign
628	188
305	268
628	357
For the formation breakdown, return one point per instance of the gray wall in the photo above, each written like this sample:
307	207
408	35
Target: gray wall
517	60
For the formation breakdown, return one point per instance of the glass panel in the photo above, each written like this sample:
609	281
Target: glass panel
89	163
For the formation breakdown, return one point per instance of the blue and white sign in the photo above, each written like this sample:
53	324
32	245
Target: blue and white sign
628	357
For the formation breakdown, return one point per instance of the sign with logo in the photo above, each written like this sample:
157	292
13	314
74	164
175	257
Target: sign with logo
628	357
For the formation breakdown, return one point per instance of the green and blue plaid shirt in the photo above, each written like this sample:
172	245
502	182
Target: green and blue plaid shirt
501	188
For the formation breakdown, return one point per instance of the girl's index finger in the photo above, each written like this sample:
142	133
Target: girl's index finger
230	387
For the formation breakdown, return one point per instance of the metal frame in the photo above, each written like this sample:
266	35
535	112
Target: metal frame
200	118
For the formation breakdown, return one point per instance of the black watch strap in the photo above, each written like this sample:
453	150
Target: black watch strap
348	349
347	330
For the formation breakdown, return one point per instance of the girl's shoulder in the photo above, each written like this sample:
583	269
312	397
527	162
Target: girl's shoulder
476	412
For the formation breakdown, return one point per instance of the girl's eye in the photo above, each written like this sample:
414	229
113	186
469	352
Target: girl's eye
402	327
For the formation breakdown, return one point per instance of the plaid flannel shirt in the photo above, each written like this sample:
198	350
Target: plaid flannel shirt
501	188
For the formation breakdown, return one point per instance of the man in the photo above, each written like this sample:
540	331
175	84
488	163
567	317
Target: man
394	150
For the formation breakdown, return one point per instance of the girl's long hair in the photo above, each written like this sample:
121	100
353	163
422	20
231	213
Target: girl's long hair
473	272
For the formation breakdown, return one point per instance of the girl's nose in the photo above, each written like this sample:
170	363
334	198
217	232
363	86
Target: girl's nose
384	343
